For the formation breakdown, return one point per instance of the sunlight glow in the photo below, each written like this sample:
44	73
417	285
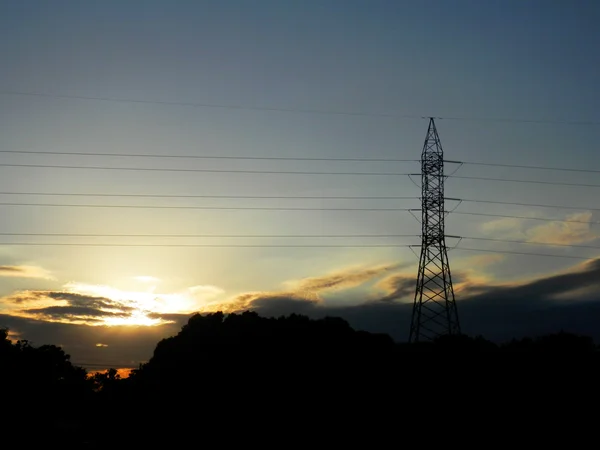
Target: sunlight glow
144	308
101	305
147	279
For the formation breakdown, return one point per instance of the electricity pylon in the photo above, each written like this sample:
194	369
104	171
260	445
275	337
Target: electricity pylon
434	309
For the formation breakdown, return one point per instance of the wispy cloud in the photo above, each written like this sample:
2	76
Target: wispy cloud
22	271
299	292
572	229
505	227
478	261
340	280
564	233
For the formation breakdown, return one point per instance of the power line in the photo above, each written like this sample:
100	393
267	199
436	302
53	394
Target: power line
520	166
273	197
243	158
508	252
524	204
280	208
530	242
289	236
257	236
524	217
290	158
296	110
290	197
72	244
254	208
213	105
153	169
555	183
282	172
68	244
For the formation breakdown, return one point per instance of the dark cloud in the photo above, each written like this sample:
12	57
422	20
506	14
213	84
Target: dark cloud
125	347
281	305
60	312
75	299
176	319
80	308
497	312
397	287
20	271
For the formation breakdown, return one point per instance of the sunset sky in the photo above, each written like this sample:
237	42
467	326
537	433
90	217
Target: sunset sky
511	82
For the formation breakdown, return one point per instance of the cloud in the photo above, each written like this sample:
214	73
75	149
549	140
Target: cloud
564	233
305	293
504	226
25	272
80	303
125	346
561	232
64	307
397	287
70	313
568	300
339	280
478	261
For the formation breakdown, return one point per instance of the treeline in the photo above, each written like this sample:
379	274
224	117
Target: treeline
246	368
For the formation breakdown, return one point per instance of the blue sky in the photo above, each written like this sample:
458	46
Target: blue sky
462	59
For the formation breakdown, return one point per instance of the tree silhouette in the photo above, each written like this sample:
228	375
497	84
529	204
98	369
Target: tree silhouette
293	374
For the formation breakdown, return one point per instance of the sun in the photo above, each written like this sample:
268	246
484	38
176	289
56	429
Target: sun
104	305
138	318
144	308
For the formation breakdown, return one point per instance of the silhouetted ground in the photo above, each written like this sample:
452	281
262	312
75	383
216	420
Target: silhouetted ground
285	381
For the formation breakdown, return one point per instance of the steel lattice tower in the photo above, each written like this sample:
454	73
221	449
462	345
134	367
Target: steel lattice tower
434	309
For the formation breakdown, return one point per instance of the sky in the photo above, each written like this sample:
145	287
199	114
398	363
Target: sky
509	82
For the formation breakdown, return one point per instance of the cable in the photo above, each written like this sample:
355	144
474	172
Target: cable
530	242
511	120
315	197
286	158
281	172
258	236
519	166
290	197
71	244
524	253
525	217
152	169
290	236
524	204
249	158
213	105
278	208
255	208
290	158
555	183
295	110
